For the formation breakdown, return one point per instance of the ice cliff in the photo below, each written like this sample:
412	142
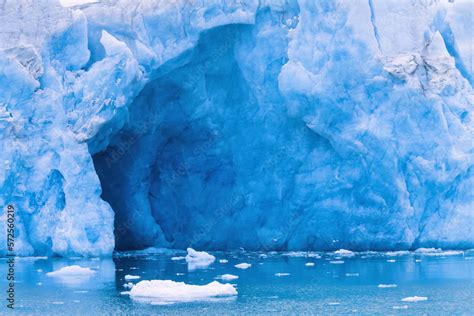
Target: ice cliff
264	124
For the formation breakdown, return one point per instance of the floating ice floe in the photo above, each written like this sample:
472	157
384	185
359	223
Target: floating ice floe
334	303
435	252
178	258
352	274
391	260
400	307
336	261
280	274
228	277
309	264
131	277
344	253
198	259
128	285
243	265
397	253
162	291
414	299
71	271
223	261
386	286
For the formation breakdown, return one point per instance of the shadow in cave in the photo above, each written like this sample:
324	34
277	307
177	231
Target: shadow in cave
170	166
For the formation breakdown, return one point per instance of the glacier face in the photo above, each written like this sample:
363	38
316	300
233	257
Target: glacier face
266	125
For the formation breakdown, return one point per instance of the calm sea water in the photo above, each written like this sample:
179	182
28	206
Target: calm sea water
350	287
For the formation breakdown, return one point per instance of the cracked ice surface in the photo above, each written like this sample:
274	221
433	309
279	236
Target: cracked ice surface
306	125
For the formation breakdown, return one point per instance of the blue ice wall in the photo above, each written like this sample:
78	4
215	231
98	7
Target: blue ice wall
271	126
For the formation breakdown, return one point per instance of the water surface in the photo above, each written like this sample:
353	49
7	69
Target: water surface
348	285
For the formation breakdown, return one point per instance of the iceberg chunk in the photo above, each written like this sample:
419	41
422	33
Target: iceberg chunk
170	291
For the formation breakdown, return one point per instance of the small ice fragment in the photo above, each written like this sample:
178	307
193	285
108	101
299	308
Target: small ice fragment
125	293
334	303
179	273
223	261
76	301
131	277
344	253
414	299
352	274
81	291
128	285
228	277
134	268
198	259
309	264
417	260
280	274
391	260
243	265
39	283
336	261
39	270
178	258
400	307
386	286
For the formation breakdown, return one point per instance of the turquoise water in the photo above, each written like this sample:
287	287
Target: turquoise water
325	288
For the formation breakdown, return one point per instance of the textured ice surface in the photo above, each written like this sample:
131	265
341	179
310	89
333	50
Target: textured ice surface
171	291
279	125
198	259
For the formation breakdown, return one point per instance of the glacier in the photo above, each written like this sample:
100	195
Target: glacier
263	125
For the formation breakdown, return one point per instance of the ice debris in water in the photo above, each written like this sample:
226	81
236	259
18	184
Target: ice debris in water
73	270
436	252
386	286
171	291
243	265
228	277
415	299
131	277
344	253
198	259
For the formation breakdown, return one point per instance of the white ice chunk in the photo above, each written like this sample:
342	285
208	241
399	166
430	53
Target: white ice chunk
414	299
73	270
131	277
387	286
171	291
280	274
344	253
243	265
223	261
309	264
228	277
198	259
336	261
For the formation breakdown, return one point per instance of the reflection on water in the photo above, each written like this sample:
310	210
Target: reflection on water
275	283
